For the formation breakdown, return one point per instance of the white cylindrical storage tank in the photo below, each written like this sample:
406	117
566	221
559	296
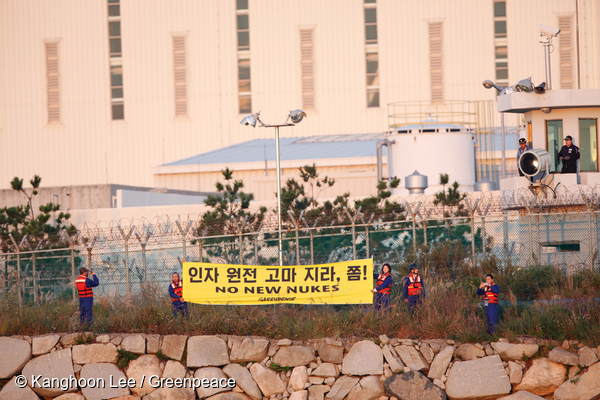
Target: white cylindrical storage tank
434	149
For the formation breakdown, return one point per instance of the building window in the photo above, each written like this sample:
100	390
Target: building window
116	61
500	43
372	53
588	144
436	62
307	68
243	38
554	142
180	74
565	49
53	82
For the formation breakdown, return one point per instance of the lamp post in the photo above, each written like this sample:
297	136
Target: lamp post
488	85
296	116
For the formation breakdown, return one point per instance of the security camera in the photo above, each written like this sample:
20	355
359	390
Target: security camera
548	31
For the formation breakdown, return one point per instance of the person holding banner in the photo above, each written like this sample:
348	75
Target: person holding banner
383	289
176	292
413	288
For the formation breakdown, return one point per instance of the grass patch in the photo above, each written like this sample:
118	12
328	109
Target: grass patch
84	339
278	368
161	356
124	357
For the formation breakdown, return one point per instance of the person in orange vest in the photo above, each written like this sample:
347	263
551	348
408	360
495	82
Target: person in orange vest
84	283
176	292
489	290
413	288
383	289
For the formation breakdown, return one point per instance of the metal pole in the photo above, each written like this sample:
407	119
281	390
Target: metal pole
19	279
312	250
367	240
144	260
278	195
35	292
503	147
73	271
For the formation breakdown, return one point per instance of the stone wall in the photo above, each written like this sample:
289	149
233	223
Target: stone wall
63	367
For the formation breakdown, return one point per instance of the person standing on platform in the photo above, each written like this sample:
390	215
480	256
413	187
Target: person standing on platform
522	149
384	288
569	154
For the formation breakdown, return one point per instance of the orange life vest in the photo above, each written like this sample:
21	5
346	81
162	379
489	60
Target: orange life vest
491	297
178	289
380	279
415	287
84	291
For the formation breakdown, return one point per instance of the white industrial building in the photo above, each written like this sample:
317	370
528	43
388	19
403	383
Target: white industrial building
103	91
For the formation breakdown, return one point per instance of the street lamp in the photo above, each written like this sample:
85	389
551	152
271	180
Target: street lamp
488	85
296	116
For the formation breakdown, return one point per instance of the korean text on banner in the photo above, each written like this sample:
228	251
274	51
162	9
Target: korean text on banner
348	282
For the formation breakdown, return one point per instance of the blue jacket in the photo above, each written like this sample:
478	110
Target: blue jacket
520	152
495	289
92	282
405	284
386	283
172	292
571	152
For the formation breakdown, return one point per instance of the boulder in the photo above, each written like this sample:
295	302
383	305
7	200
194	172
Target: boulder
294	356
152	343
543	377
75	396
365	358
299	395
326	370
14	354
427	352
299	378
587	357
267	380
173	346
584	386
522	395
468	352
171	394
105	338
229	396
11	391
342	387
207	351
128	397
331	353
412	385
210	373
58	365
395	363
249	349
515	352
316	392
561	356
440	363
111	376
72	338
369	388
515	372
243	380
412	358
145	366
43	344
135	344
95	353
465	380
174	370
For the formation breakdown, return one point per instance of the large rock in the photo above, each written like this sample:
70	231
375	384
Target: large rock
440	363
342	387
412	385
11	391
427	352
395	363
173	346
316	392
111	376
52	365
152	343
562	356
326	370
166	393
514	352
365	358
75	396
243	379
95	353
299	378
299	395
174	370
207	351
543	377
412	358
466	380
210	373
468	352
43	344
294	356
522	395
229	396
515	372
135	344
72	338
585	386
14	354
331	353
587	357
145	366
249	349
369	388
267	380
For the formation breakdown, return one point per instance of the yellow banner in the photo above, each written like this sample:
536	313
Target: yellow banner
348	282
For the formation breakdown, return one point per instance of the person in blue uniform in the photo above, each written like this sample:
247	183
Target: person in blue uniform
383	289
522	149
413	288
84	283
489	290
569	154
176	292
